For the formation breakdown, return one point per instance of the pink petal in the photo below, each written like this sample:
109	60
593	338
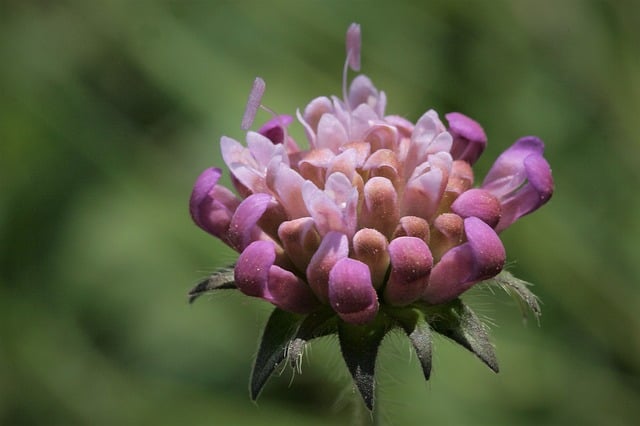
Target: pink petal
251	272
334	246
351	294
411	263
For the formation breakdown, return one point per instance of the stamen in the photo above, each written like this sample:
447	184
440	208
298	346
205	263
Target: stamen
353	43
253	103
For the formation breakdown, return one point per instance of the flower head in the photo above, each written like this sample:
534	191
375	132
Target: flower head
377	215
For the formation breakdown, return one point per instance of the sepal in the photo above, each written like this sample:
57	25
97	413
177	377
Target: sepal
519	290
359	345
415	325
459	323
317	324
281	327
222	279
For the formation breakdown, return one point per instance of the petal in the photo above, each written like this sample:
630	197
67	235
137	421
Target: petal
243	165
314	165
286	184
381	136
448	232
480	258
411	263
487	248
461	177
263	150
334	246
362	118
535	193
404	126
428	137
243	228
362	91
370	247
331	133
251	272
212	206
413	226
425	189
204	184
469	139
289	292
333	209
345	163
380	208
351	294
479	203
384	163
315	110
300	240
507	172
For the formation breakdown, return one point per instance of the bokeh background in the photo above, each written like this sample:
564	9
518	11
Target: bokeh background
110	109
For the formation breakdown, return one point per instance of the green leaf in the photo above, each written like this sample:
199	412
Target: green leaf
314	325
359	344
280	329
222	279
458	322
415	325
519	290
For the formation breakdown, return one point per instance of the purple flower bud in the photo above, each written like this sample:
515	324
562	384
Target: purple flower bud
370	247
363	92
411	263
380	208
469	139
274	129
300	240
242	229
447	232
480	258
479	203
413	226
334	247
289	292
252	269
351	293
333	209
212	206
256	275
521	179
426	187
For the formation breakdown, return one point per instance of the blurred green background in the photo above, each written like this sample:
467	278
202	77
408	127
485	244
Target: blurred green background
109	110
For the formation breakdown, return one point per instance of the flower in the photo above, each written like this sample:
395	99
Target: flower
378	215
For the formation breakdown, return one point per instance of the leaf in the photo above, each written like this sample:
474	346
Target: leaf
415	325
280	329
222	279
458	322
519	290
314	325
359	344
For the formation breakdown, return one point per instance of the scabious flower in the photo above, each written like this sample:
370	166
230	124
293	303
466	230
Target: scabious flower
376	225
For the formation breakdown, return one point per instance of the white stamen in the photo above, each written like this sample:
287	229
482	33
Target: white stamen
353	43
253	103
